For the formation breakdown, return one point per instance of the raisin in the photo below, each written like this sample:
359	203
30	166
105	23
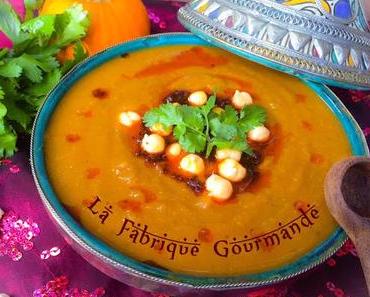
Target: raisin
180	97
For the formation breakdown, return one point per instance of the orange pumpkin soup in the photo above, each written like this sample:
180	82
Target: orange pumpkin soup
135	206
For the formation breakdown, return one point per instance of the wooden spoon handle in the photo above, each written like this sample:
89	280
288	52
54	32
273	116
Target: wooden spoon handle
347	193
363	250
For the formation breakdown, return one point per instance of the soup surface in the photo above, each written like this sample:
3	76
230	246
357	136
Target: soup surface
152	217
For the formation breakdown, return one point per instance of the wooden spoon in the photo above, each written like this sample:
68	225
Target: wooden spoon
347	192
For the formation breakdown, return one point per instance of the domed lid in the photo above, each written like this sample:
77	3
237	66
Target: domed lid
326	41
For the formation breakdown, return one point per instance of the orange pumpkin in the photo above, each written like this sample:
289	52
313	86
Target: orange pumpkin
111	21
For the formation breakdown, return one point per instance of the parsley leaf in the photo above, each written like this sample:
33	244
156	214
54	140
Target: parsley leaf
166	114
41	28
8	143
251	117
30	66
200	129
10	69
193	142
2	94
206	109
220	129
226	132
17	114
42	88
211	103
192	117
179	131
229	116
71	25
3	112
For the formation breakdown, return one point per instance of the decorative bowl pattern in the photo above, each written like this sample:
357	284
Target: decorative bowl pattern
324	41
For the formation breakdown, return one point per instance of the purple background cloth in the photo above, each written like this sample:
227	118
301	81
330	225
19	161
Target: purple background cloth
51	257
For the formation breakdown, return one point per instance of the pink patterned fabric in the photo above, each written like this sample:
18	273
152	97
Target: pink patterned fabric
58	287
48	267
16	234
19	7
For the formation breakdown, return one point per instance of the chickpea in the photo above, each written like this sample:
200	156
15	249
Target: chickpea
153	143
193	164
174	150
228	154
1	213
198	98
128	118
159	129
219	188
232	170
241	99
218	110
259	134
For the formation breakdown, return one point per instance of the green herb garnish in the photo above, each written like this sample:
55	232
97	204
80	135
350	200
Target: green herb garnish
30	69
200	129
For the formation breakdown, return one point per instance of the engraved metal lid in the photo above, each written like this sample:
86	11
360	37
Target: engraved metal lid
326	41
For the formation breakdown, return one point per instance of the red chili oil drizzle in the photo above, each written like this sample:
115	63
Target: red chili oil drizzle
307	126
196	56
275	146
127	204
100	94
72	138
205	235
317	159
92	173
300	98
85	113
149	196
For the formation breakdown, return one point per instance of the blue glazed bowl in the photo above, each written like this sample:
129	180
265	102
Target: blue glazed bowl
136	273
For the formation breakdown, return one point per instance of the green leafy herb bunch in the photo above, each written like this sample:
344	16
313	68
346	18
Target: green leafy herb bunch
30	68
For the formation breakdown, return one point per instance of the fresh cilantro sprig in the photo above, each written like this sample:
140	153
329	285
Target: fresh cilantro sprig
30	69
201	129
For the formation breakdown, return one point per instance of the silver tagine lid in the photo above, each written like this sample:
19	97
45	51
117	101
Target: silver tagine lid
326	41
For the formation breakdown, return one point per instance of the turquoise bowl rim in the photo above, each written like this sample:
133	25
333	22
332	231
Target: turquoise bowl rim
117	259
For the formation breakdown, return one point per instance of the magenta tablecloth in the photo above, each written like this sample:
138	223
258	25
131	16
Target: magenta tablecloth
49	267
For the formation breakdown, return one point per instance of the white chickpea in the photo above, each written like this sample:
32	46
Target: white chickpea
128	118
232	170
174	150
259	134
198	98
228	154
1	213
193	164
218	187
159	129
4	295
241	99
153	143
